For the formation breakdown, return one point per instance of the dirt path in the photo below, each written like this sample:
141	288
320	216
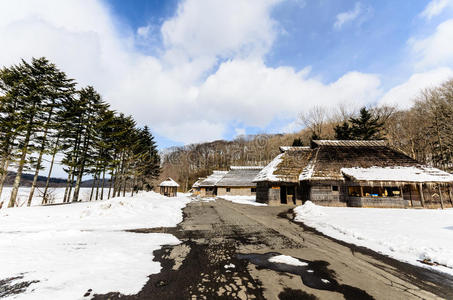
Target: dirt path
225	252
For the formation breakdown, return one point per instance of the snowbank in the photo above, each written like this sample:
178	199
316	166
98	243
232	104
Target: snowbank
250	200
143	210
75	247
56	195
405	234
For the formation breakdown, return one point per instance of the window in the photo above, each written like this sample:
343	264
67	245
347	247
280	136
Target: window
228	190
253	190
354	191
334	188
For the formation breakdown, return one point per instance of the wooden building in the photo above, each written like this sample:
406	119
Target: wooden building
238	181
169	187
352	173
196	186
208	187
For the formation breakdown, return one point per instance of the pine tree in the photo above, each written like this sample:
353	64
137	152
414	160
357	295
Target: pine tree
297	142
366	126
29	91
343	131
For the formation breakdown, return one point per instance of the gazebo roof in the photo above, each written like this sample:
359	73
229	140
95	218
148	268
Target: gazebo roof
169	182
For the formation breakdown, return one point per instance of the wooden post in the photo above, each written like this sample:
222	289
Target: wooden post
422	197
440	195
449	193
361	191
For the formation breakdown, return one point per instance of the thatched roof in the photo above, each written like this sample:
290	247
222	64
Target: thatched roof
197	183
212	179
287	166
355	160
169	182
240	177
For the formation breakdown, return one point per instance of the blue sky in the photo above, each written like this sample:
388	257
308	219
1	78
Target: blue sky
199	70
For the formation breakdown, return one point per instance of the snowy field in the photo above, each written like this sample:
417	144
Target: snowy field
55	195
410	235
72	248
250	200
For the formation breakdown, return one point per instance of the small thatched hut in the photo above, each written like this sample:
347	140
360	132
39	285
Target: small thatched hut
169	187
352	173
238	181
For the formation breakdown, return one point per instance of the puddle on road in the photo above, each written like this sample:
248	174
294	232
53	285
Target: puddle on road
314	274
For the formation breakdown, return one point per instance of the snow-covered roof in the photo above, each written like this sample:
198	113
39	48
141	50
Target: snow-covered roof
169	182
267	173
240	177
358	160
246	167
350	143
197	183
398	173
212	179
287	166
292	148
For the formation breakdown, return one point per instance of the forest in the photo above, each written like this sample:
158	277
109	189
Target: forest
44	116
422	132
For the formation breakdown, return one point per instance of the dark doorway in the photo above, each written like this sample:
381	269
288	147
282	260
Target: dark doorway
283	195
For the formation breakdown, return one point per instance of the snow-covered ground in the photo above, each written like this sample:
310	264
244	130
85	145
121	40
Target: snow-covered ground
410	235
250	200
71	248
54	194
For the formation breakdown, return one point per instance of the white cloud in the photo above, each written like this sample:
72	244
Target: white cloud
348	16
249	91
185	95
435	50
214	28
435	7
403	95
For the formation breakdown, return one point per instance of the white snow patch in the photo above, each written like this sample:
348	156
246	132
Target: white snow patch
250	200
289	260
74	247
325	280
229	266
267	173
409	235
409	174
307	172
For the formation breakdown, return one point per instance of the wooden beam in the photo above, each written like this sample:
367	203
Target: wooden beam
441	198
422	197
449	193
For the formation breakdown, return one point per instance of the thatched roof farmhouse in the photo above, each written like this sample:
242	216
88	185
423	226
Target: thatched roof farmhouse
352	173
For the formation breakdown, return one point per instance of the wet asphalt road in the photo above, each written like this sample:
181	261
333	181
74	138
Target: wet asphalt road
225	251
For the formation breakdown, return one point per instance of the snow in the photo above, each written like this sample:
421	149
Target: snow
289	260
267	173
169	182
409	174
250	200
75	247
229	266
409	235
307	172
55	194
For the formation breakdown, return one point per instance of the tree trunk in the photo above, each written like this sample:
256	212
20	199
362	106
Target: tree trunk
112	179
103	184
44	196
5	166
97	186
92	186
20	168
